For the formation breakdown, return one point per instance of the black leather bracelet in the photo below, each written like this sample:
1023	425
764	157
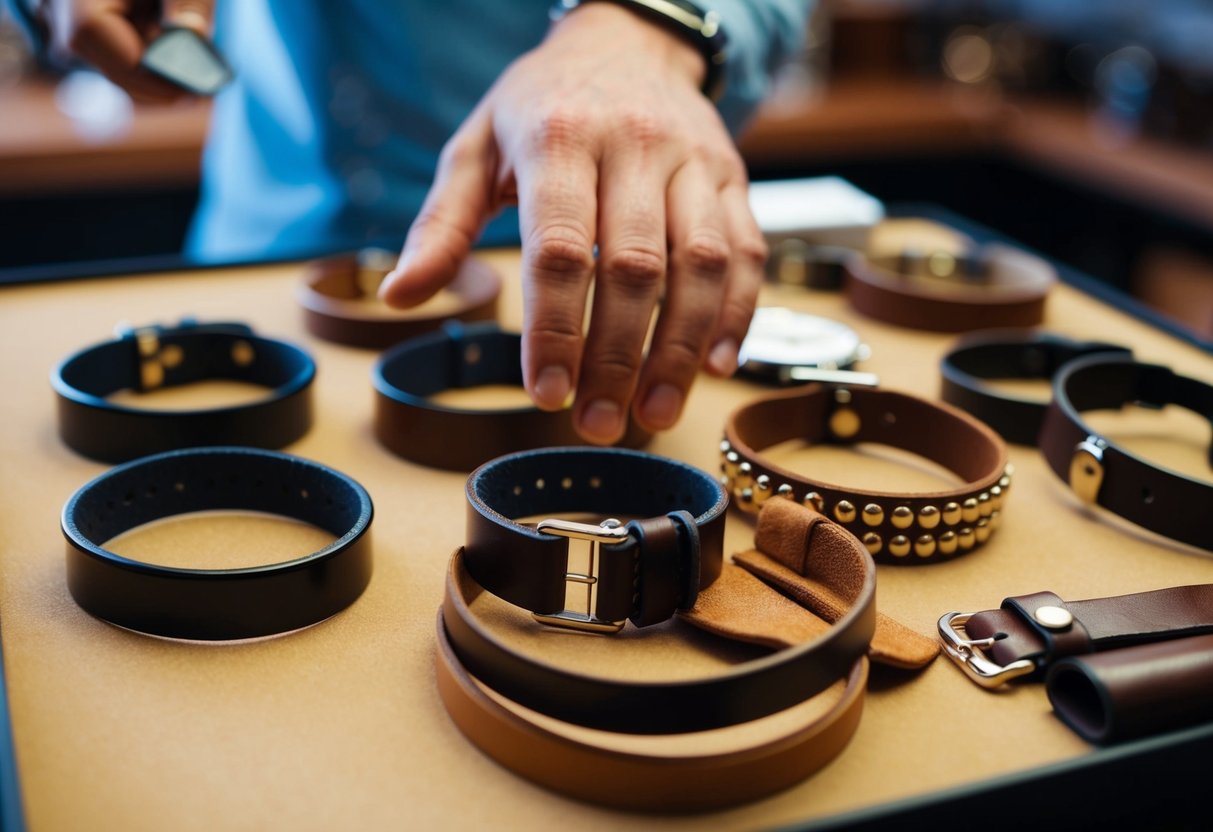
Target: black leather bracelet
214	604
158	356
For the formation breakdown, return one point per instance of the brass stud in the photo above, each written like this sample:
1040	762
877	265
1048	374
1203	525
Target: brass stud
924	546
969	510
947	542
873	543
731	463
903	517
951	513
744	478
844	423
967	538
725	447
745	496
1004	482
928	517
171	356
844	512
983	530
984	506
762	489
242	353
784	490
873	515
899	546
815	501
995	519
996	497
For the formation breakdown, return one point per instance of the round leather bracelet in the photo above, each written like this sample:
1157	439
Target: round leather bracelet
409	423
160	356
1100	472
892	525
217	604
334	293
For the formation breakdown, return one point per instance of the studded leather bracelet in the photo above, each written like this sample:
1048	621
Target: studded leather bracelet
892	525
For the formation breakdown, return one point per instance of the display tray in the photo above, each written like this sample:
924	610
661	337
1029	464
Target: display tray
340	725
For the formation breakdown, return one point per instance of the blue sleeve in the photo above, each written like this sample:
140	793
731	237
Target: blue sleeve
762	34
23	16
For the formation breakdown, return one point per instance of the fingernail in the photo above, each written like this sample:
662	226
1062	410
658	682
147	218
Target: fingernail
662	406
722	360
552	387
602	420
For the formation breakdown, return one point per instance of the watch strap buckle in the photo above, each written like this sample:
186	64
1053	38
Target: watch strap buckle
608	532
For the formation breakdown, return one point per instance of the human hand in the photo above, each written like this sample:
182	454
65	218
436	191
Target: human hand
602	137
113	34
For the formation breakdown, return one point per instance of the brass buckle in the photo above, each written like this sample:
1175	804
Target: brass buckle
609	531
966	652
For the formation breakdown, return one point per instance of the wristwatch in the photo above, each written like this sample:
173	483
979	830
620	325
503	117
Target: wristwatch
697	26
790	347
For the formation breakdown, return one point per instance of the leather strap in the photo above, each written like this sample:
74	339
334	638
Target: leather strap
998	286
1104	474
1135	691
409	423
217	603
335	291
169	356
892	525
1009	354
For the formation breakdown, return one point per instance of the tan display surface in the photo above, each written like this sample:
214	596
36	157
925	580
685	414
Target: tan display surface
340	725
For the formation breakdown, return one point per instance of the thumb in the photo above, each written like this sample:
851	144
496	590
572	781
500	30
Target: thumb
188	14
451	217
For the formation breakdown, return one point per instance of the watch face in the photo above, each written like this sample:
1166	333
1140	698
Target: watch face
183	57
780	340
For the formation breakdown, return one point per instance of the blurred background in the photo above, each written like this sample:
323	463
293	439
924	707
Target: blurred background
1082	129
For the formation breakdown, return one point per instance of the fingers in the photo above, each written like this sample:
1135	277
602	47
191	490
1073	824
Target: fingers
111	42
450	219
748	255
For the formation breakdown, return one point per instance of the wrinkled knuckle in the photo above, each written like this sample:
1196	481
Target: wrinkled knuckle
752	248
635	268
559	130
644	128
615	368
708	254
555	335
562	250
736	313
682	354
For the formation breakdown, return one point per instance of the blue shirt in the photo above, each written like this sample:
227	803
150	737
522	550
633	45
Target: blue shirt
329	136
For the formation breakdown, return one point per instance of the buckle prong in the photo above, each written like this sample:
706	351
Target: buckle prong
609	531
966	653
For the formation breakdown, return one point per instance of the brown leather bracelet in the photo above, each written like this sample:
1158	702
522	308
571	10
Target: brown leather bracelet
891	525
999	286
335	294
1103	474
1028	633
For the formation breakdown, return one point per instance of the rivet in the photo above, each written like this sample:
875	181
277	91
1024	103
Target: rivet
784	490
996	497
762	488
725	447
995	519
873	515
731	463
242	353
844	512
745	496
873	542
947	542
815	501
969	510
172	355
842	395
1004	482
983	504
967	538
951	513
924	546
1053	618
903	517
844	423
928	517
899	546
983	530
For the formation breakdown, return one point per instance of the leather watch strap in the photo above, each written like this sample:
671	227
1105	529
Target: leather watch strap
892	525
338	294
1102	473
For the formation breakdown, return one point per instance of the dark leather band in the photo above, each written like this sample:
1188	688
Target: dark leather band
158	356
1009	354
1000	287
896	527
334	294
1136	691
1020	630
219	603
656	782
1100	472
413	426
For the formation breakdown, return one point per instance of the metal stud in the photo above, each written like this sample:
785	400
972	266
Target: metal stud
947	542
873	515
983	530
928	517
984	506
966	538
731	463
996	497
951	513
784	490
1053	618
902	517
725	447
815	501
969	510
995	519
899	546
924	546
873	543
745	497
1004	482
844	421
844	512
243	353
762	489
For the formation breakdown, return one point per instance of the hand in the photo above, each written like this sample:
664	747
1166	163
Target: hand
113	34
603	138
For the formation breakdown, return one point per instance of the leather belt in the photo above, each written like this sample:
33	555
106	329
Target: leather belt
157	356
890	524
1103	474
410	424
218	603
335	291
999	286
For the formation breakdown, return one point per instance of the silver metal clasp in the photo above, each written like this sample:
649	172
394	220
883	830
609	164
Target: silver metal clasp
966	652
1086	468
608	531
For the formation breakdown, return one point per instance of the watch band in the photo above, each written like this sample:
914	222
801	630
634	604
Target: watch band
697	26
1028	633
157	356
1102	473
932	525
999	287
409	423
1009	354
217	604
334	294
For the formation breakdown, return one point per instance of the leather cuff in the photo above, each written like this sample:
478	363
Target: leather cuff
162	356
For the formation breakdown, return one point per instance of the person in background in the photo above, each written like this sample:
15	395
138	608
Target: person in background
589	136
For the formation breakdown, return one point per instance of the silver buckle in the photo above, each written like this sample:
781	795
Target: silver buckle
609	531
966	652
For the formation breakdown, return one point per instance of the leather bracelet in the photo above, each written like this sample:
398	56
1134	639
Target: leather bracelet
334	293
1103	474
157	356
1001	287
891	525
217	604
1009	354
410	424
1028	633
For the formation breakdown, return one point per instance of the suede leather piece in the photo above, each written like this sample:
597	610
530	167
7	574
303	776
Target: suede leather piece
810	563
